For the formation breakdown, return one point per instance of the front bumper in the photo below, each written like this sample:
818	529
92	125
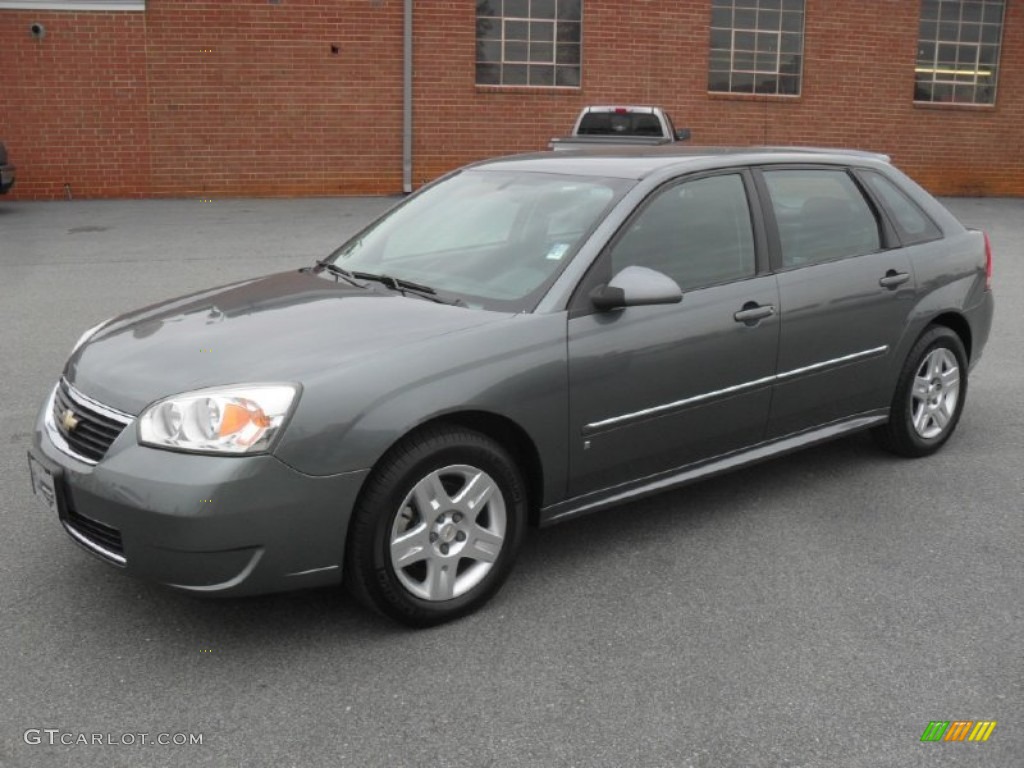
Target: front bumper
204	524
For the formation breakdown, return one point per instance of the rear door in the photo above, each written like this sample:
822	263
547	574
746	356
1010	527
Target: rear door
846	290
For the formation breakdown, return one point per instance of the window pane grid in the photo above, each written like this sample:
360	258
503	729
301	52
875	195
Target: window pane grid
957	58
528	42
756	46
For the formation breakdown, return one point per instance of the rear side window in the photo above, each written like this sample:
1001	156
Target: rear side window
911	222
821	215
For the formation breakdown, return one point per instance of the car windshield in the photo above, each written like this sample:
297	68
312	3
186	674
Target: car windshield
494	239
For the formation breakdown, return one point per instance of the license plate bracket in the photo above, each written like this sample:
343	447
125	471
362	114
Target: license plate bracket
45	485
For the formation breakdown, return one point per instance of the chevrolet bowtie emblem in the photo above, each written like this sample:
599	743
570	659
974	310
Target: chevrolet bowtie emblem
68	420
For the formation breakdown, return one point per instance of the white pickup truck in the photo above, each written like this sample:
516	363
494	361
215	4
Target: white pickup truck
600	127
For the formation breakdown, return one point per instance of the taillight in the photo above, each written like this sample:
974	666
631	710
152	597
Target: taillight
988	262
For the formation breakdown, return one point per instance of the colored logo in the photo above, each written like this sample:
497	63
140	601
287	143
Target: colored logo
958	730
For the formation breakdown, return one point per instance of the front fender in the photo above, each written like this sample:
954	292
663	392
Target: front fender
515	368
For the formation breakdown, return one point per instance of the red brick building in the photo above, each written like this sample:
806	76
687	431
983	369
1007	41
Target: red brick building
129	98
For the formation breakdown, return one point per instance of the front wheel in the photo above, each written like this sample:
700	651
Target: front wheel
929	397
437	529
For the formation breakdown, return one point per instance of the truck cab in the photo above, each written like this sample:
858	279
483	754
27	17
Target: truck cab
603	126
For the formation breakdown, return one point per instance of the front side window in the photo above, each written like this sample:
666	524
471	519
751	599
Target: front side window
528	42
495	239
698	233
756	46
821	216
958	51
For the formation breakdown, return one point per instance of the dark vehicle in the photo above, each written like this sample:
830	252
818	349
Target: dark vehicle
617	127
6	171
524	341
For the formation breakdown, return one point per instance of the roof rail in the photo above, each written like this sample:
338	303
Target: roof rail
835	151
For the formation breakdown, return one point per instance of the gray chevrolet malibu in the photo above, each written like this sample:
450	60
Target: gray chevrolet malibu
523	341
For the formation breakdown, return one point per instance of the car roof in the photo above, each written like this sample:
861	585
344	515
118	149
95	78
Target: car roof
639	162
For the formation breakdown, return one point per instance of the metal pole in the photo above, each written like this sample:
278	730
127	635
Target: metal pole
407	100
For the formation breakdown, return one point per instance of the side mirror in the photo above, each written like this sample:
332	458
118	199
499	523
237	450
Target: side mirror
683	134
636	286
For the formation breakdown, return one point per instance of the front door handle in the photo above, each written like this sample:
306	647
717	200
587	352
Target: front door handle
894	279
752	313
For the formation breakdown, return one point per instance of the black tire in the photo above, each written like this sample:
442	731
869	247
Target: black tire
424	593
900	435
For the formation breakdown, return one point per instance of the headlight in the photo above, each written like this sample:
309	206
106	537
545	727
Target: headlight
240	419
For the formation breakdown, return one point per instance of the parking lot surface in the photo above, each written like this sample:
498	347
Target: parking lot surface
818	610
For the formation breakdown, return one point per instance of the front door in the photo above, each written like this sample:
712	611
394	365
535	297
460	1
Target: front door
653	388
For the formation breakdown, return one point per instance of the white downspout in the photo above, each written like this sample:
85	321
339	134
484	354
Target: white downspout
407	99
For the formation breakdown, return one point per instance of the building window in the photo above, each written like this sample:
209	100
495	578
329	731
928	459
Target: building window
958	51
756	46
528	42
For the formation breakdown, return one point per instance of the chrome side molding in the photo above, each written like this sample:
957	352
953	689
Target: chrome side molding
679	404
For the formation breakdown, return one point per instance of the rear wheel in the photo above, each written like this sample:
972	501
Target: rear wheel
929	395
438	527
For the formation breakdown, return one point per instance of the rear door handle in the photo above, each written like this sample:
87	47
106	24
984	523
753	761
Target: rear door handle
753	312
894	279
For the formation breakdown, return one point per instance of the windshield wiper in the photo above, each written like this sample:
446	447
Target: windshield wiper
337	271
406	286
397	284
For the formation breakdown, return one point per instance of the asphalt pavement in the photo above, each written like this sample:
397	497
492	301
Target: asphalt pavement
818	610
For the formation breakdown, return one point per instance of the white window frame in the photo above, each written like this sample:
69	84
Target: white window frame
966	73
759	31
529	20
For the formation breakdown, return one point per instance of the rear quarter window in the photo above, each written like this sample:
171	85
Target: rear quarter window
912	224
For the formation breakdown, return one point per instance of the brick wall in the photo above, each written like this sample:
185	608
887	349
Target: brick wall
73	105
303	97
857	91
249	98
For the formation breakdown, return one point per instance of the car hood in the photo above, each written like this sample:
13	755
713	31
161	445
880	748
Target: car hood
280	328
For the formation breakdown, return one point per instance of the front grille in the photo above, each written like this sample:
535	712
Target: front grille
98	537
94	427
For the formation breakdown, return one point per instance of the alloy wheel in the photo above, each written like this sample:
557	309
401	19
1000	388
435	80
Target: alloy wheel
448	532
935	393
